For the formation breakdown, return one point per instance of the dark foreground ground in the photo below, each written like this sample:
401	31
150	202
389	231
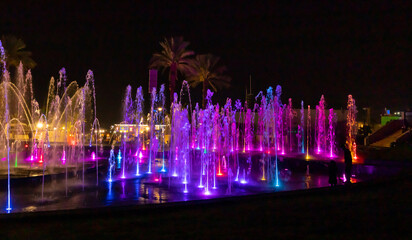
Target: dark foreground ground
381	209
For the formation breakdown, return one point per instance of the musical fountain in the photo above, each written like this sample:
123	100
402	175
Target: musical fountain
174	155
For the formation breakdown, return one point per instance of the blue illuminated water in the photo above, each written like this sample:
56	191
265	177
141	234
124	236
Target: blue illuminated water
26	192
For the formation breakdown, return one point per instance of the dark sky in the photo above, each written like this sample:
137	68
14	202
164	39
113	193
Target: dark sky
309	48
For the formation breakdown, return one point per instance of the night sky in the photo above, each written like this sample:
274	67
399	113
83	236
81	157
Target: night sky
309	49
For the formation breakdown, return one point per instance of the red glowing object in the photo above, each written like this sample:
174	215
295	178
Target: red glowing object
26	145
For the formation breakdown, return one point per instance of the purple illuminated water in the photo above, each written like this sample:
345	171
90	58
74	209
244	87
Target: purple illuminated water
139	101
219	149
320	128
331	132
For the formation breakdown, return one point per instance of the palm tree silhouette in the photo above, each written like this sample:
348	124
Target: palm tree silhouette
207	70
175	57
16	52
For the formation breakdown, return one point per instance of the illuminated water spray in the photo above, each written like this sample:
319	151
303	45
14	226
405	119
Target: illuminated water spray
139	115
331	131
185	148
96	129
63	158
290	115
175	140
308	133
263	125
351	125
279	108
238	109
152	131
208	137
216	142
320	126
277	114
248	136
161	112
6	79
119	159
96	124
127	119
112	163
302	125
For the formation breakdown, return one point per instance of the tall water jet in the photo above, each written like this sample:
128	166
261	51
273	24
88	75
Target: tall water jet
96	131
22	86
308	133
290	115
216	141
302	125
238	109
42	136
208	129
281	126
184	148
200	134
185	87
277	110
331	131
139	115
119	159
351	125
66	101
194	126
152	130
320	126
269	105
82	113
174	139
261	124
51	98
161	111
6	79
227	149
127	118
96	124
299	137
112	163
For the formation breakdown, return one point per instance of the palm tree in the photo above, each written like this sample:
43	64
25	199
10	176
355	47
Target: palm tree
206	69
174	56
16	52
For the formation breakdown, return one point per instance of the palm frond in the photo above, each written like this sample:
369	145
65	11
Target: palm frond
16	52
206	67
173	51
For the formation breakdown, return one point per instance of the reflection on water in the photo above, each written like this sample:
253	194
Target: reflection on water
123	192
307	181
110	196
27	197
137	188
